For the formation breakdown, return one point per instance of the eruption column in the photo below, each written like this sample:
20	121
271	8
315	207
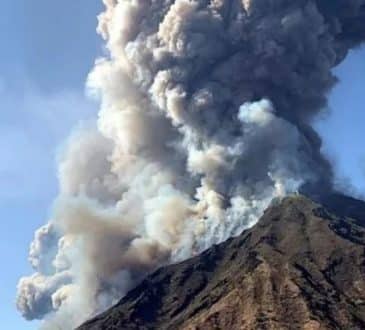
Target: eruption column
205	117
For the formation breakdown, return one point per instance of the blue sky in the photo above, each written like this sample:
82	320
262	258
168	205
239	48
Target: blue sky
343	126
47	49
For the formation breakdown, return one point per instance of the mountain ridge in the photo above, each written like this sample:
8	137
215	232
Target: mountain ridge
300	267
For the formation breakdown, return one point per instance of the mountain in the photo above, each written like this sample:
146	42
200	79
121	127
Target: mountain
301	267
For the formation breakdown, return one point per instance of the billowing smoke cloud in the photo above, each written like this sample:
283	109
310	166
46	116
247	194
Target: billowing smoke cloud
205	117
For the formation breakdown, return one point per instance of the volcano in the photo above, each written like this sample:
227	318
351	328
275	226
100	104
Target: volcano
301	267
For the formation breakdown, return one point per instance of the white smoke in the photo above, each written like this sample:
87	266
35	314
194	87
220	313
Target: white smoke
180	159
121	214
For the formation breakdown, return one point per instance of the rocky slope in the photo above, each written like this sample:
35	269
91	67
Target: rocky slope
300	267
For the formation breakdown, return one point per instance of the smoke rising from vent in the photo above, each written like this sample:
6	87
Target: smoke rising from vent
205	117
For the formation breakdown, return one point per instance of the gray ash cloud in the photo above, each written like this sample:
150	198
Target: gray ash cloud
205	117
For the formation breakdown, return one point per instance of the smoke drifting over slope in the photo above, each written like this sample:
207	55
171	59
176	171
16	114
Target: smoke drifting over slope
205	117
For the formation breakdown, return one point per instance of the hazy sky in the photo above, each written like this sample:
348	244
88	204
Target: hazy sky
47	49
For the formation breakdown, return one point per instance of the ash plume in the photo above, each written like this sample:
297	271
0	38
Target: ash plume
205	118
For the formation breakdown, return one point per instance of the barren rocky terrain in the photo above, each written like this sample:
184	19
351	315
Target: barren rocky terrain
301	267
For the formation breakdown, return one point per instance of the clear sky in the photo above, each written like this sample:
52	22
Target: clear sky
47	49
343	126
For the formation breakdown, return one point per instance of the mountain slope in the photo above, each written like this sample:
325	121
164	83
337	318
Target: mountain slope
300	267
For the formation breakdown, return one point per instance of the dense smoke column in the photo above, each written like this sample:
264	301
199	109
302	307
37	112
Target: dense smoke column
206	111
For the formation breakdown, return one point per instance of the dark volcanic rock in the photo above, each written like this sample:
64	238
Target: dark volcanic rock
300	267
